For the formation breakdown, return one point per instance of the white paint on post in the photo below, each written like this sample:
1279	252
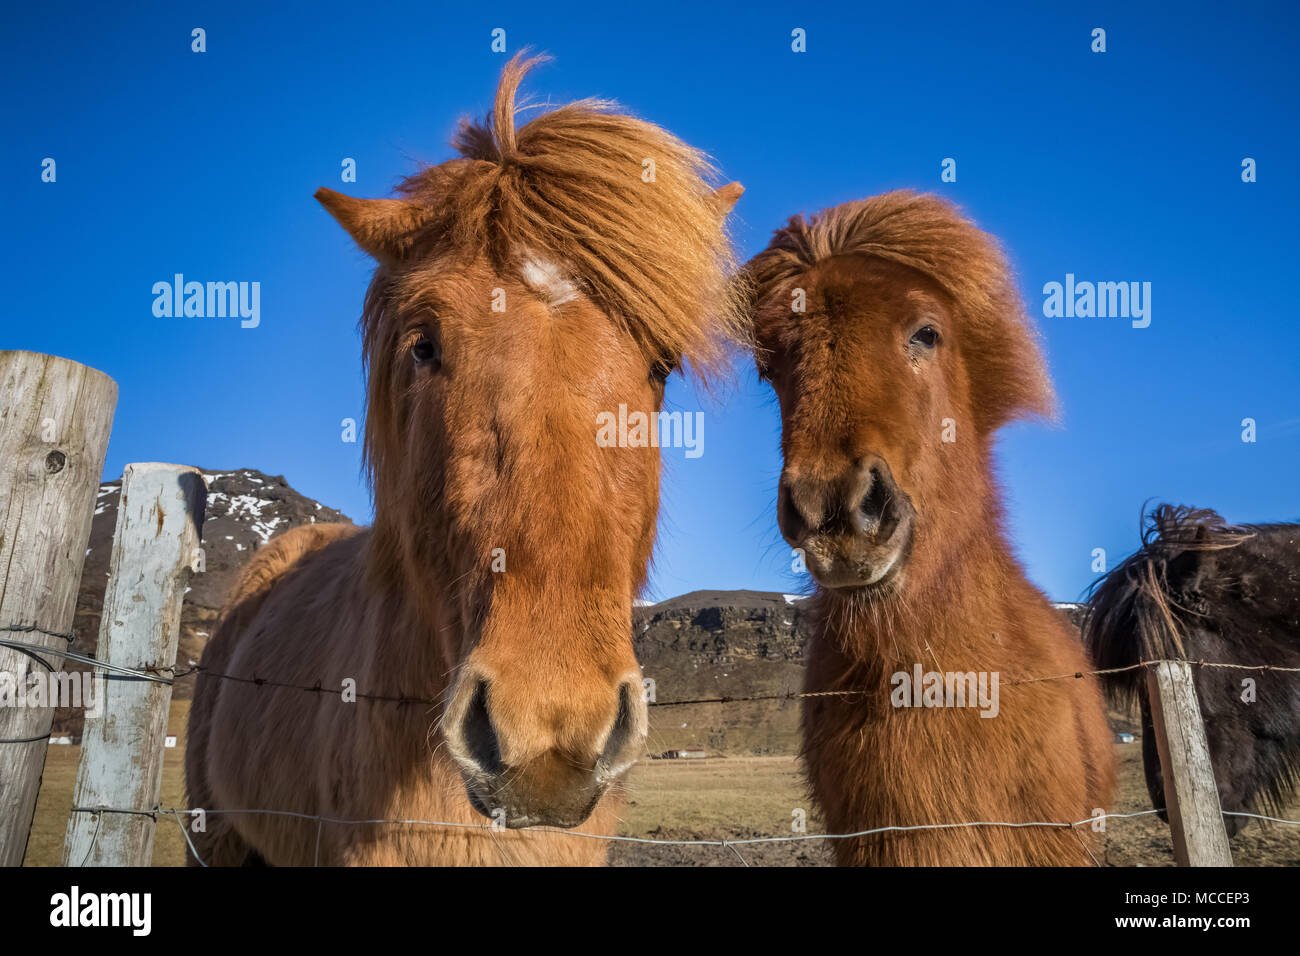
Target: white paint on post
55	416
1191	794
159	526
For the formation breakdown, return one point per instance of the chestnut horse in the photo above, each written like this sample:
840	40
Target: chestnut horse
521	291
893	336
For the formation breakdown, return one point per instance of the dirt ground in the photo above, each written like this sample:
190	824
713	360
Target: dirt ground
732	797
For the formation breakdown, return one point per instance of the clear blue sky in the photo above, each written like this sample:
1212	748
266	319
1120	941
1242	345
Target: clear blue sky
1117	166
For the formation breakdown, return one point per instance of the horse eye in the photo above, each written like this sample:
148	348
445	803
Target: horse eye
661	369
426	354
927	337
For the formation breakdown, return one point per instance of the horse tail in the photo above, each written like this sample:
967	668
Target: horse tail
1139	611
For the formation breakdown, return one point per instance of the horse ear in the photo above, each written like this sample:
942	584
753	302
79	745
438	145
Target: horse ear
382	227
727	195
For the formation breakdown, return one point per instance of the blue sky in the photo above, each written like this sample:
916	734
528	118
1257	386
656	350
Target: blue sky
1115	166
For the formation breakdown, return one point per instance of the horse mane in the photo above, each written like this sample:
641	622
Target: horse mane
654	256
1139	611
1200	588
930	235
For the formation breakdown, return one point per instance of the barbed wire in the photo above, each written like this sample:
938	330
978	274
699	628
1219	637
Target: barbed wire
157	675
34	650
169	675
1151	663
724	842
27	649
28	740
140	673
68	636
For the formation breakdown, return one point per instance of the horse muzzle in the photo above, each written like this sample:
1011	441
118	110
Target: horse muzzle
855	530
520	775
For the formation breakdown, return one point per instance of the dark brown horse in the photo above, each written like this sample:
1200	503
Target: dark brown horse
546	277
1204	590
894	338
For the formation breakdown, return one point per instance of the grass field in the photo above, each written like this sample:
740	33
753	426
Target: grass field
747	797
734	797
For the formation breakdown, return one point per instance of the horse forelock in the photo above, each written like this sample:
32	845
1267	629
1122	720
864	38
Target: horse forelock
930	235
623	208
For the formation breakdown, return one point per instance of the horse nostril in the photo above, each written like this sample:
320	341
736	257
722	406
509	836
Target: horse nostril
622	737
787	515
478	734
875	500
800	508
878	510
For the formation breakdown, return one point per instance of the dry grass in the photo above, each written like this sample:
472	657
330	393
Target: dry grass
736	796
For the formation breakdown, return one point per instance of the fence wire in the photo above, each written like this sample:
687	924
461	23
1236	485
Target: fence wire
723	843
169	675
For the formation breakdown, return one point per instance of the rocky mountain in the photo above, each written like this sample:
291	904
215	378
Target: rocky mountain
710	644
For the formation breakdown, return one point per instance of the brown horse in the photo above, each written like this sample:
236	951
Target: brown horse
547	276
892	334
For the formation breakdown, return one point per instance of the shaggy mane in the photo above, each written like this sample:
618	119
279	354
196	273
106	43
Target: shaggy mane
1134	614
654	256
1201	588
930	235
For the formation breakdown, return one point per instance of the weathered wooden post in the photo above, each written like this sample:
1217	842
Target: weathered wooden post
159	525
55	417
1191	794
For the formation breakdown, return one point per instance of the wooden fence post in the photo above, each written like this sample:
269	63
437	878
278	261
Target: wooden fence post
1191	794
159	526
55	417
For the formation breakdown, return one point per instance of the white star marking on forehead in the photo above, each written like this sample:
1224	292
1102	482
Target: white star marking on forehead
547	279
